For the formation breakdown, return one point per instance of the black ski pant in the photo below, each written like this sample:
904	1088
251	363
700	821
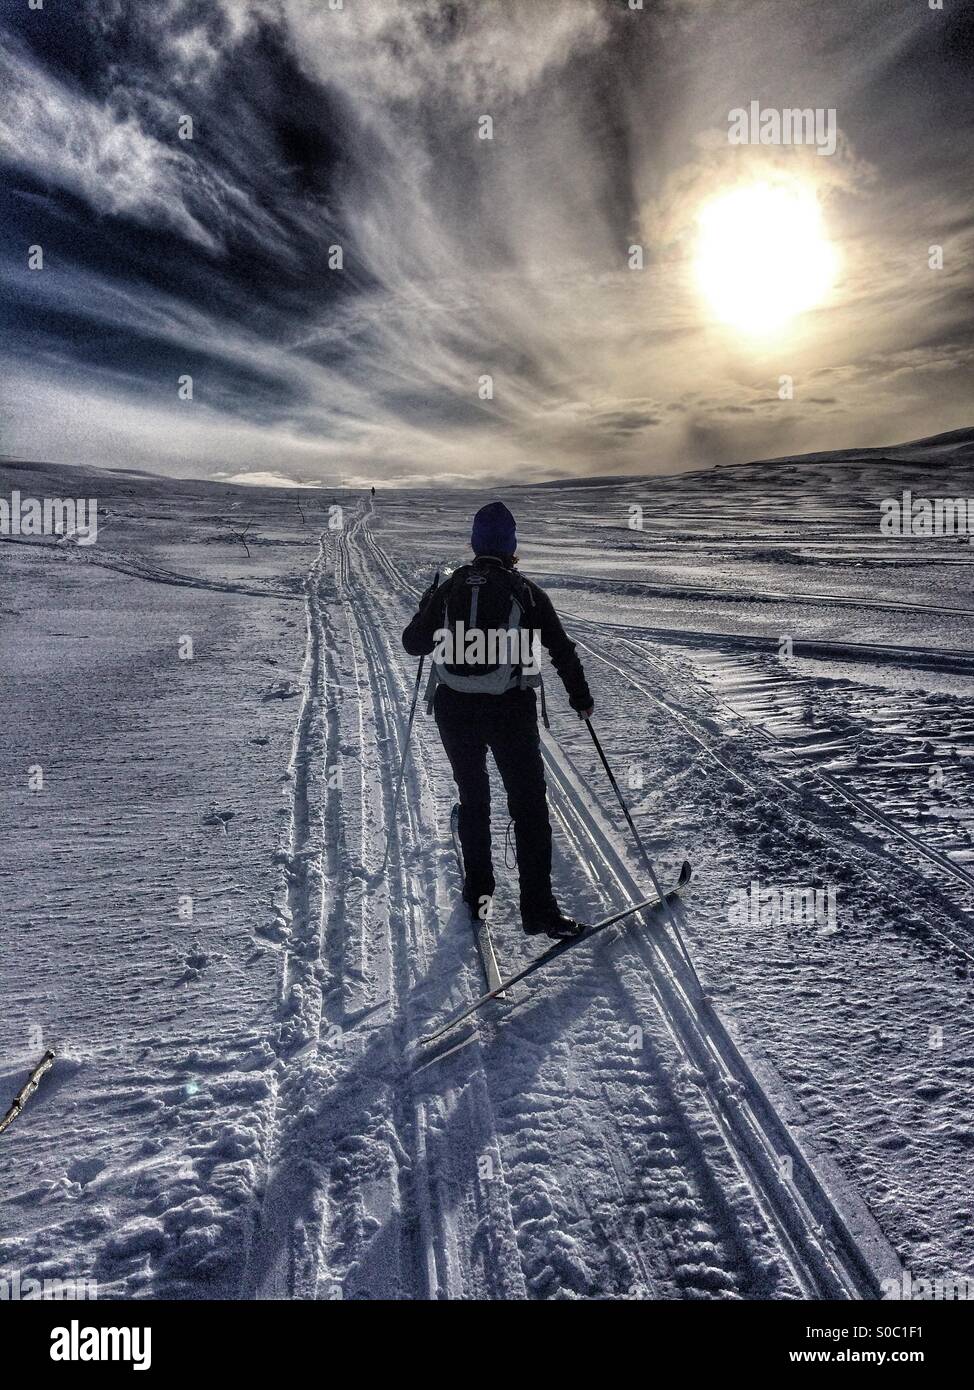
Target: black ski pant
507	726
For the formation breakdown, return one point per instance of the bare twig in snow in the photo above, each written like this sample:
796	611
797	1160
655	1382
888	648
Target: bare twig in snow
28	1089
240	535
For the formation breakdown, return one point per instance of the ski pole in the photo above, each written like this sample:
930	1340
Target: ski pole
645	856
405	750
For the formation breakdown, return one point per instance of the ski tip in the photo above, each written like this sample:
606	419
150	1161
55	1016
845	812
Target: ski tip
686	870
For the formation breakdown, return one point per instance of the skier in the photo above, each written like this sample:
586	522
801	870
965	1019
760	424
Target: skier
483	698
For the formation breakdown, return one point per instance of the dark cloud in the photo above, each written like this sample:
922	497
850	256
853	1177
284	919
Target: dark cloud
314	130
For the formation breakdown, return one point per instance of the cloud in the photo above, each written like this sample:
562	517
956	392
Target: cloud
426	53
94	151
485	321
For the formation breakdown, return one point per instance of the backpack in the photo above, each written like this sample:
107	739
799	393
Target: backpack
481	647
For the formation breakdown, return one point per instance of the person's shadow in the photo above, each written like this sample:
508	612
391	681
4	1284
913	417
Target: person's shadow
395	1139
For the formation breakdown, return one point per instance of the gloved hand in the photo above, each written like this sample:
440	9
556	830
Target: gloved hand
586	713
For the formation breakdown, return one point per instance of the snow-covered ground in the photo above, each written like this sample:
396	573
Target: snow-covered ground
195	915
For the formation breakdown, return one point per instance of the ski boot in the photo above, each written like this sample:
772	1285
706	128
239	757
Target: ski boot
550	921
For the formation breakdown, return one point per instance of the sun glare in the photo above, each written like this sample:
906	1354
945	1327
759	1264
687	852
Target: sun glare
763	255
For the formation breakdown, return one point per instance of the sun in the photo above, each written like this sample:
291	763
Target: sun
763	255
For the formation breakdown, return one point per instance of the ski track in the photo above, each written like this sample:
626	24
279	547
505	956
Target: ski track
952	878
447	1132
360	1157
932	658
802	812
669	1236
271	1268
137	567
795	601
605	1134
819	1247
604	1137
705	1211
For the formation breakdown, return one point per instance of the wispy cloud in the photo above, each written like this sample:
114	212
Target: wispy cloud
95	151
465	260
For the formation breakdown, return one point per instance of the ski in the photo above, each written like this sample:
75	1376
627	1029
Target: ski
554	951
481	931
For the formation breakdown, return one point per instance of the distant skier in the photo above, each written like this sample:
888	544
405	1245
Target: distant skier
373	492
480	625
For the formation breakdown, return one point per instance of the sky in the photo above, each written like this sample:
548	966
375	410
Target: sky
488	319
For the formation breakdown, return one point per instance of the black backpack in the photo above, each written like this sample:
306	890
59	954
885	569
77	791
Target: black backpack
483	644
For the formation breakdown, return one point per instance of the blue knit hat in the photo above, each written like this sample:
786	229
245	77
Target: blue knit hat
493	531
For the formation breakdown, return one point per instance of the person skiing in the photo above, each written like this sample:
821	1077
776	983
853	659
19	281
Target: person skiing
481	624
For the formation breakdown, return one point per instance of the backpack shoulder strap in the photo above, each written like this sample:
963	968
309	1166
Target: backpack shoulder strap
521	590
445	590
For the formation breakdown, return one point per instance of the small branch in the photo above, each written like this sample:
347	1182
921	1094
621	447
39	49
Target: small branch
25	1093
240	535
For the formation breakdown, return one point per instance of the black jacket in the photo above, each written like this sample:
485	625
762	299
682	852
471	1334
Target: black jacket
419	637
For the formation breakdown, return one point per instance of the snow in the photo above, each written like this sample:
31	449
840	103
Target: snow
196	917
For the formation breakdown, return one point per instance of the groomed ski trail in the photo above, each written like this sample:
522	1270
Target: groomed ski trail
833	1247
448	1200
275	1255
751	1248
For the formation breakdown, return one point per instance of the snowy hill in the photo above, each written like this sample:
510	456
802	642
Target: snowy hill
204	715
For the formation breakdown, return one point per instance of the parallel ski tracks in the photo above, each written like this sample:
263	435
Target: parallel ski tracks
272	1264
652	1147
819	1245
958	937
404	945
696	591
957	661
444	1232
437	1229
829	1252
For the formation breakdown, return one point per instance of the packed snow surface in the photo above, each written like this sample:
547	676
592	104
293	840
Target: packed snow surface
202	728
